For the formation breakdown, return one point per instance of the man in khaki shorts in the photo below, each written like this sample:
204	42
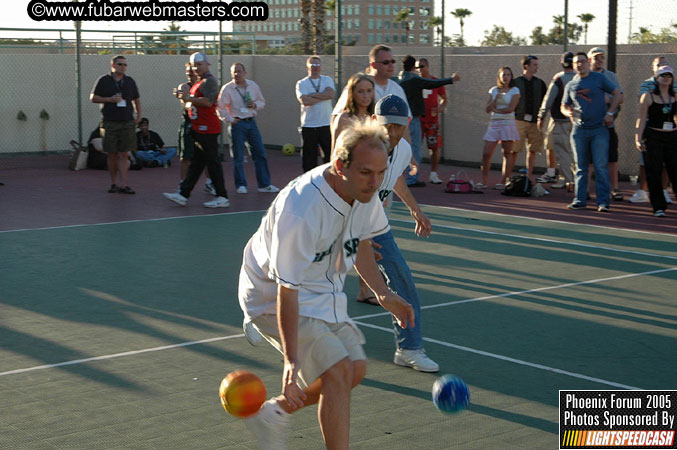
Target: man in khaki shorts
119	98
532	90
292	280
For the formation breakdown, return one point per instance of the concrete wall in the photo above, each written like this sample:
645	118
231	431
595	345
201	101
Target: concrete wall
36	82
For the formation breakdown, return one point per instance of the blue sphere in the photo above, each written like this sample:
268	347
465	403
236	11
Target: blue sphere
451	394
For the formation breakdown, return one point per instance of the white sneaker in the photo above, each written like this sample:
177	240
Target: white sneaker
270	189
560	184
252	334
639	197
242	189
434	179
416	359
176	198
668	200
218	202
269	426
209	188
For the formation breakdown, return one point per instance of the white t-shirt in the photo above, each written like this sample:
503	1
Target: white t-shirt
503	102
391	87
319	114
398	161
307	241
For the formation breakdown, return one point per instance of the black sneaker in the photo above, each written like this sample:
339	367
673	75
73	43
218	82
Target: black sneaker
576	205
113	189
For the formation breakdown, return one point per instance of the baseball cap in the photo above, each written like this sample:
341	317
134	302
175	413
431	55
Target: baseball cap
567	59
143	121
198	57
665	69
595	51
392	109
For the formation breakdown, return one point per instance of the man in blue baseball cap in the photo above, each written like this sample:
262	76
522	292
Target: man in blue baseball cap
393	113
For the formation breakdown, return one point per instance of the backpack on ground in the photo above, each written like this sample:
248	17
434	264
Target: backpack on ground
518	186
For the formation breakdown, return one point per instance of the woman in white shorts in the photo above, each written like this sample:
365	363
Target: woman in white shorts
501	104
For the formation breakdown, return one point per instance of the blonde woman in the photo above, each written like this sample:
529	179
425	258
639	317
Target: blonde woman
501	103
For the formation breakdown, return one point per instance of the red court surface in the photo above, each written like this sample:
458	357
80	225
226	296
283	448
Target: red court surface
40	191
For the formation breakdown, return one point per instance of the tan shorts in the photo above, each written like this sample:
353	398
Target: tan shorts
558	135
320	344
528	132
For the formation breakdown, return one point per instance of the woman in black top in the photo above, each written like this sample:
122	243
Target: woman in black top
656	136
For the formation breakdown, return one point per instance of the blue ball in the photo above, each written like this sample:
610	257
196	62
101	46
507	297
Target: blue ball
451	394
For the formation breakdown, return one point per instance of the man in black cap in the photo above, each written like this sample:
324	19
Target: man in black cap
558	132
150	148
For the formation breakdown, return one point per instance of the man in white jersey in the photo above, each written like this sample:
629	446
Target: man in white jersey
392	113
292	277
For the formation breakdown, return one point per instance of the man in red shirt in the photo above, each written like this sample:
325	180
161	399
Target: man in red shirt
205	129
435	102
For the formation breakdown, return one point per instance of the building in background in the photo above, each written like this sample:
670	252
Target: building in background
364	23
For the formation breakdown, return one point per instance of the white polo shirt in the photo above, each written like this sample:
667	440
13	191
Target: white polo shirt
307	241
319	114
398	161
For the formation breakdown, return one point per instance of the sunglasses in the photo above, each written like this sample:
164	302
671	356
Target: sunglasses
386	62
665	75
315	65
121	64
421	67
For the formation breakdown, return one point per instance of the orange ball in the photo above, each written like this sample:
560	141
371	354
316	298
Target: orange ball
242	393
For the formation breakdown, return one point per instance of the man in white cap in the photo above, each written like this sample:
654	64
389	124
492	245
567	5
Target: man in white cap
205	128
597	61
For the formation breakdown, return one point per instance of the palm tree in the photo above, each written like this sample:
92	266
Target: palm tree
586	19
460	14
319	13
403	18
436	23
306	32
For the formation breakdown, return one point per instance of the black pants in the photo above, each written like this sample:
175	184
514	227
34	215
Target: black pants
206	153
312	137
661	149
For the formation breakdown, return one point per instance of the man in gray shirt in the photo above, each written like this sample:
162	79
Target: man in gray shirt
558	132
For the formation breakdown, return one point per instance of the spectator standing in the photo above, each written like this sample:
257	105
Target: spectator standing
656	136
150	148
205	130
558	133
585	104
648	85
597	60
532	90
435	102
315	93
238	103
413	86
118	96
501	104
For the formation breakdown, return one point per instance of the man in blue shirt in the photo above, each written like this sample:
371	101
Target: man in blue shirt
584	103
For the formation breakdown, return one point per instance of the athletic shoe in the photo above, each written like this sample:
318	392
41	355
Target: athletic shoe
269	426
113	189
218	202
416	359
575	205
668	200
499	186
639	197
270	189
602	208
617	196
659	213
480	186
434	179
546	179
176	198
252	334
242	189
560	184
209	188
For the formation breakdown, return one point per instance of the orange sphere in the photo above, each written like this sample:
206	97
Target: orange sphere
242	393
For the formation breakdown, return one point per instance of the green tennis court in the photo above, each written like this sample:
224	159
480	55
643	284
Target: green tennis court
116	336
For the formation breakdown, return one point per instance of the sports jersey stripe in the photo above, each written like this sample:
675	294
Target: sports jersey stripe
285	281
325	198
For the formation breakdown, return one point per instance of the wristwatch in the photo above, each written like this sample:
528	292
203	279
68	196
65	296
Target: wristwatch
609	114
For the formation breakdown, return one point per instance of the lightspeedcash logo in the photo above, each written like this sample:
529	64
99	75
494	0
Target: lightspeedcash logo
94	10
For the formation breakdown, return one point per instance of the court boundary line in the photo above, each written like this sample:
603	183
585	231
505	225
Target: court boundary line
553	241
118	355
512	360
564	222
527	291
